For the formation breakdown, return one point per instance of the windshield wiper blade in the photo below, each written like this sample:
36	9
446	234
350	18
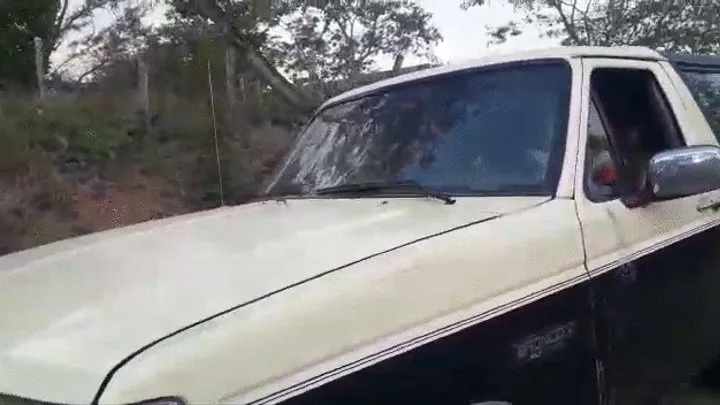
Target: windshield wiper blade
390	186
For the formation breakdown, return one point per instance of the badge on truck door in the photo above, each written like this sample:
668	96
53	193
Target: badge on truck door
551	339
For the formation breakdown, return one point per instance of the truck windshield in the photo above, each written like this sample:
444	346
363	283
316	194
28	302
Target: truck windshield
493	131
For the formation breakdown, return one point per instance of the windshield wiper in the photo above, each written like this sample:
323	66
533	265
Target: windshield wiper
373	187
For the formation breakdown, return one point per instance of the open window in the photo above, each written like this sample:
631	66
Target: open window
629	121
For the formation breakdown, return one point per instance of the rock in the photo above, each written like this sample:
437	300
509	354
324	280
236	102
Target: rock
81	229
42	201
98	188
5	248
54	144
71	164
86	177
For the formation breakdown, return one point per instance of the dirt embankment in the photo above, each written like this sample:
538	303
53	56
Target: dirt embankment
56	196
41	206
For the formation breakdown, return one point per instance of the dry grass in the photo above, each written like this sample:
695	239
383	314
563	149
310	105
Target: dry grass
87	164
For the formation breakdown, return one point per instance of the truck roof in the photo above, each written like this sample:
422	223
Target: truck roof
696	60
625	52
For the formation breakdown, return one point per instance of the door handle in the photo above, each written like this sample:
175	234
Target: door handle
713	205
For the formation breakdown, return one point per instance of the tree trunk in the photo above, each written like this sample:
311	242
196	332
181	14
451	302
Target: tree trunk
397	66
230	75
262	68
143	91
232	115
39	68
270	75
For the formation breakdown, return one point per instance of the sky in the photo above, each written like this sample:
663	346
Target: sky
464	32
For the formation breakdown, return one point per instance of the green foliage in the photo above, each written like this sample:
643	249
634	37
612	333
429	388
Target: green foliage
20	21
20	130
342	40
672	25
184	23
339	41
80	128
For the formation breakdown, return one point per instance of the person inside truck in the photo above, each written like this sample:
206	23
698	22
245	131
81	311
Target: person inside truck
636	123
477	148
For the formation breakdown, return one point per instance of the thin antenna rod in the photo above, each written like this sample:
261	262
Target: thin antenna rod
217	148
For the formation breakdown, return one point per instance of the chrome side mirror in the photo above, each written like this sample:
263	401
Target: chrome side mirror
683	172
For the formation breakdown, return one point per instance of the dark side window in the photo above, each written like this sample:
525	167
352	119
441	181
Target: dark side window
629	121
498	130
704	84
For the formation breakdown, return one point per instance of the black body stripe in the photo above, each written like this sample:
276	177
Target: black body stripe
106	381
424	339
465	323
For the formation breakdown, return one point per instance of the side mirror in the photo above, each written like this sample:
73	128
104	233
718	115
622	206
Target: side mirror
684	172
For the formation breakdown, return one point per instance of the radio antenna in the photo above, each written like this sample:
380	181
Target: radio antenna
217	147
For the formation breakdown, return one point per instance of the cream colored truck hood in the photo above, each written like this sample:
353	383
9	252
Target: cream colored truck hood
72	310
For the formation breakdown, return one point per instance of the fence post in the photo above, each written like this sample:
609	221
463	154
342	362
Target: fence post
230	76
143	90
39	67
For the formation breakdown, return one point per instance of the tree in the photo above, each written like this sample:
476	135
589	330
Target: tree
97	48
672	25
345	37
50	20
112	46
20	22
231	19
339	42
246	29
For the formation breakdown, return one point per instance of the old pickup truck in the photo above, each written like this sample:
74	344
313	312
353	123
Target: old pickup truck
533	228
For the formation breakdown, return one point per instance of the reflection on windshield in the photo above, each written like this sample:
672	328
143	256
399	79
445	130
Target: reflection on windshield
491	131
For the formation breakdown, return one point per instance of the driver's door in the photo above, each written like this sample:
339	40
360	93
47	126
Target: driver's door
656	276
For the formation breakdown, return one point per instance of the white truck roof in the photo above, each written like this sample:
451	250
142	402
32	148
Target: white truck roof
626	52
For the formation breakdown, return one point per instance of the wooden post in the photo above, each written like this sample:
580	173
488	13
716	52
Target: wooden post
39	67
230	75
143	91
397	65
258	87
232	117
243	88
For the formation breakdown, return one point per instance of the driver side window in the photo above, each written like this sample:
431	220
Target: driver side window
629	121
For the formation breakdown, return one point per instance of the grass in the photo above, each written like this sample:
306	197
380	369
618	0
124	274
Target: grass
64	166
